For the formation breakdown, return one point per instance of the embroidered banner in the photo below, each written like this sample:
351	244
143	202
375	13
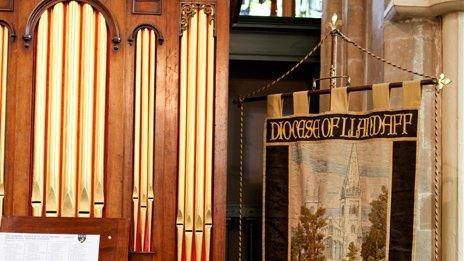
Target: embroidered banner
345	186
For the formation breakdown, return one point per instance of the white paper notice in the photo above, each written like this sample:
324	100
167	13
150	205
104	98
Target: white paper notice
48	247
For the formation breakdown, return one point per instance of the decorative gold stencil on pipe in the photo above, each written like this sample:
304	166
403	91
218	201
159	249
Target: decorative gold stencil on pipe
39	116
4	73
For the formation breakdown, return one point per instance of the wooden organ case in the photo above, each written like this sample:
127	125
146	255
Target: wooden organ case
113	113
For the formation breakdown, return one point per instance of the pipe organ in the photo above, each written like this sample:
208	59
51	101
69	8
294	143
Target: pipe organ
194	214
69	112
117	110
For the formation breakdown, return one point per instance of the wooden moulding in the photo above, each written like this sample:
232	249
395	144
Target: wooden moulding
133	36
114	232
147	7
44	5
8	6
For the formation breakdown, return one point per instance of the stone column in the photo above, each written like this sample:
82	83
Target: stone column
453	138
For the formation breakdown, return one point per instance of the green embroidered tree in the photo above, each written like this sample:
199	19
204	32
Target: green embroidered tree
307	240
352	252
373	246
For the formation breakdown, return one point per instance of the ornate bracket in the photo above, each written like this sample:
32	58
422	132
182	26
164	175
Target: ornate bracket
188	10
10	29
42	6
158	33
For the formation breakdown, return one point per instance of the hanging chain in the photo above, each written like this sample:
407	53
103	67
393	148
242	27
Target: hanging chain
271	84
373	55
437	172
240	225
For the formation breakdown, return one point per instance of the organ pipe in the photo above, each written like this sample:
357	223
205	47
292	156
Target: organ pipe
209	140
4	71
144	135
182	142
39	116
71	94
69	112
190	128
151	135
135	193
200	133
100	104
54	111
194	218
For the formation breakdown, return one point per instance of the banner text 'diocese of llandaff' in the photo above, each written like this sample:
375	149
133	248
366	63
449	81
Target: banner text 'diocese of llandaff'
385	124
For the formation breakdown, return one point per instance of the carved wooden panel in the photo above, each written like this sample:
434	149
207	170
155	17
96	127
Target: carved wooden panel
7	5
150	7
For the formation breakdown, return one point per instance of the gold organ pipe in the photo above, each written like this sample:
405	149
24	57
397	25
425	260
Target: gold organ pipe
151	133
144	140
209	138
135	192
182	141
54	111
190	145
200	132
99	150
71	93
39	116
86	111
69	133
4	73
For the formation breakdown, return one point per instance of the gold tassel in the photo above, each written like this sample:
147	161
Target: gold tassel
54	111
86	117
39	116
99	167
4	74
135	192
182	142
71	79
209	138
